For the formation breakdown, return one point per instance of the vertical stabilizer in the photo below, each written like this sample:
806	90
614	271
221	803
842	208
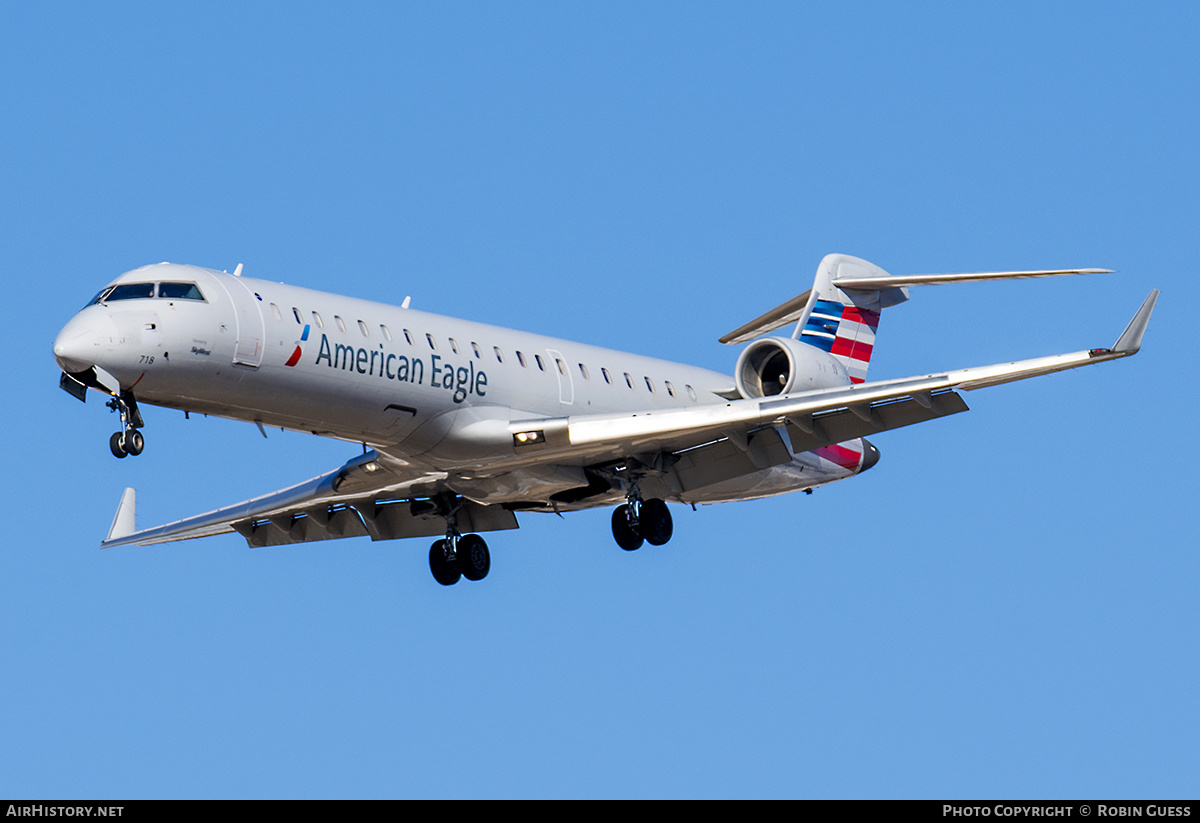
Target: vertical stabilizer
843	321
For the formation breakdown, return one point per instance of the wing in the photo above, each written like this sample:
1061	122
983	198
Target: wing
370	495
820	417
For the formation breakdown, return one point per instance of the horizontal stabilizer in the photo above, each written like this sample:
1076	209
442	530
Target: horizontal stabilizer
903	280
781	315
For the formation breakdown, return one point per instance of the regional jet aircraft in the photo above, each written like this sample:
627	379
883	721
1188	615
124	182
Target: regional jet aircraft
463	425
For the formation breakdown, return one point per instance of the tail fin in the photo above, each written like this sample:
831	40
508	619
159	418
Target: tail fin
843	321
840	313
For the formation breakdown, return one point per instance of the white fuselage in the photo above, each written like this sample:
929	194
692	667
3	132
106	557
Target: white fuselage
437	391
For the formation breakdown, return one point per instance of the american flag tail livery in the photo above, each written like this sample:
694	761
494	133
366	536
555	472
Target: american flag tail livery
843	320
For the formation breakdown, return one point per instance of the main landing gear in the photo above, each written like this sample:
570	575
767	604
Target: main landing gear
637	520
466	556
457	555
128	440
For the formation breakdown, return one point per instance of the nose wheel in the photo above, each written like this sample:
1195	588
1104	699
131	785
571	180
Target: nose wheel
128	440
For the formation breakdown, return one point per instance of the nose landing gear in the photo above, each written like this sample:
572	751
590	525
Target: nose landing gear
129	440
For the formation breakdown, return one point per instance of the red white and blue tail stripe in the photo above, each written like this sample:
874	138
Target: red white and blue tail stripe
845	331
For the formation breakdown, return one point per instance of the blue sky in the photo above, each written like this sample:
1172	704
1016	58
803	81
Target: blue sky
1004	607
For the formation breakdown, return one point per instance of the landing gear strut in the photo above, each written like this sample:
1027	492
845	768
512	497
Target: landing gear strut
128	440
457	555
636	520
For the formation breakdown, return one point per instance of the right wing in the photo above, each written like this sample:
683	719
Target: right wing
824	416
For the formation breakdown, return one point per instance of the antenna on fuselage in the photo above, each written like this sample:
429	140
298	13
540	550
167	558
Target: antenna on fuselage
238	271
404	305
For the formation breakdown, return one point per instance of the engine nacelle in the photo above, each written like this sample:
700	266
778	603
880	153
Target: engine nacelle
781	365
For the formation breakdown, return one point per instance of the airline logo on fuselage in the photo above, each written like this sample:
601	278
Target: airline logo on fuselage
461	380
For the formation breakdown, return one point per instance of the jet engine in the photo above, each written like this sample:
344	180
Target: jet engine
781	365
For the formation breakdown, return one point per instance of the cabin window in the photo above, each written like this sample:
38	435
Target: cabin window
275	311
670	388
453	345
341	324
628	380
296	314
179	291
475	348
387	333
538	359
649	384
317	319
604	373
408	336
429	339
362	327
583	370
521	358
562	367
691	393
499	354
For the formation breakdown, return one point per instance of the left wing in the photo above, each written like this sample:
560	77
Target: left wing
369	496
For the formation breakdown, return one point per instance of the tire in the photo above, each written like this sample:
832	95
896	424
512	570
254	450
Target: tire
623	531
116	444
445	571
655	523
473	557
134	442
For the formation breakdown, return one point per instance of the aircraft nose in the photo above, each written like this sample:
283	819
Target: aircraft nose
77	347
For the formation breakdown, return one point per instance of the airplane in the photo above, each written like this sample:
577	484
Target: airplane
464	425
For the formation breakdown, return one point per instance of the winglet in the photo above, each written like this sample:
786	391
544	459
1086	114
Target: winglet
123	520
1131	339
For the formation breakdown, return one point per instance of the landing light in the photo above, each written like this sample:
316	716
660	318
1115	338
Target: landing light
529	438
371	467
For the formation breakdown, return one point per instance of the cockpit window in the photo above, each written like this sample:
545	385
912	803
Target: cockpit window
129	291
179	291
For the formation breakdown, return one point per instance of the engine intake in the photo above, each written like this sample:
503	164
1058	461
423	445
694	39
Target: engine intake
781	365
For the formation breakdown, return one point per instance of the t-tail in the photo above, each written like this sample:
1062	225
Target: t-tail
840	313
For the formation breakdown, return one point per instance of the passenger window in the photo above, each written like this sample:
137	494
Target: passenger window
670	388
341	324
296	314
499	354
408	337
562	367
537	358
475	348
275	311
317	320
386	332
649	384
604	372
521	359
362	327
453	345
583	370
691	393
432	345
628	380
